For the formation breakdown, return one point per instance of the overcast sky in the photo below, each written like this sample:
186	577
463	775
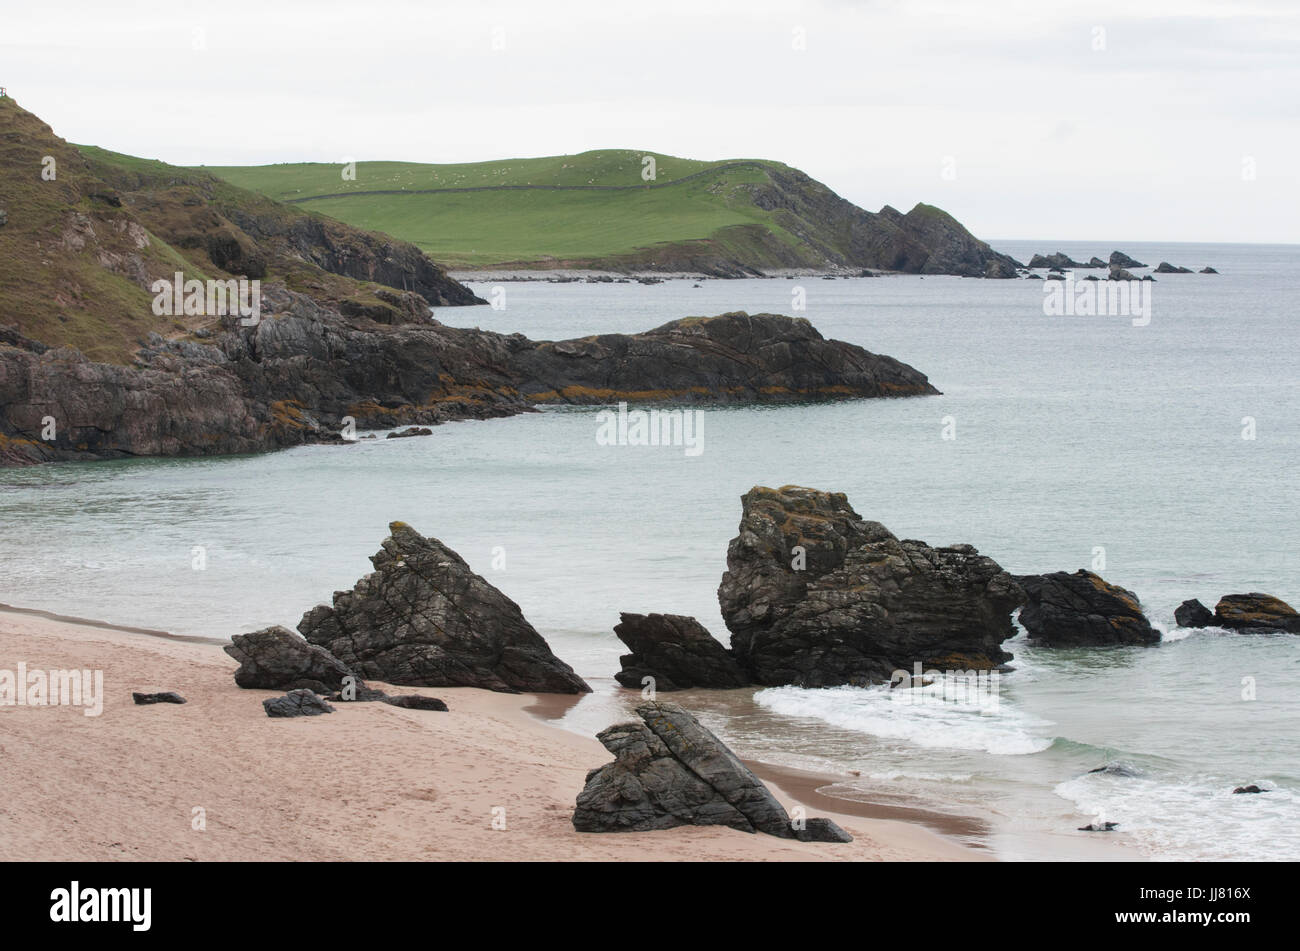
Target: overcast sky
1097	120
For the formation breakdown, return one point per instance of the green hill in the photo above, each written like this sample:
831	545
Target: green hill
730	218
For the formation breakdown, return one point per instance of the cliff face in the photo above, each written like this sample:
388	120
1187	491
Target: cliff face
924	241
86	232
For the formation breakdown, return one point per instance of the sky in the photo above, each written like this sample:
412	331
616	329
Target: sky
1099	120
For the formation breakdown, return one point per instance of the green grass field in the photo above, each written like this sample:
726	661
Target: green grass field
571	209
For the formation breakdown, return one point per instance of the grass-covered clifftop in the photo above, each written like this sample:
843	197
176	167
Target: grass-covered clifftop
596	210
86	231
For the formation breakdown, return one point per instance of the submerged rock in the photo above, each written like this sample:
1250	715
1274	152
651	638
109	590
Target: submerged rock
410	431
275	658
678	652
424	619
670	771
1256	613
1252	788
1100	827
296	703
1193	613
168	696
815	596
1082	610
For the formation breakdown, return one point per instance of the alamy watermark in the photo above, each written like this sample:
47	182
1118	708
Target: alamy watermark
1112	298
655	427
53	688
970	688
195	298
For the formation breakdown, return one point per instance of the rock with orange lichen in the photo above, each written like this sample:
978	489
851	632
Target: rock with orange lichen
1082	610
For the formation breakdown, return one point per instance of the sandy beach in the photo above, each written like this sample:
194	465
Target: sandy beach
371	781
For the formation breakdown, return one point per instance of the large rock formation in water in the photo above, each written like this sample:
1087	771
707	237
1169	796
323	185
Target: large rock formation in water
1082	610
670	771
816	596
423	618
676	652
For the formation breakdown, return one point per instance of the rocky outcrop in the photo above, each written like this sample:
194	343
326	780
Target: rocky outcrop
275	658
1082	610
410	431
303	370
1256	613
1057	260
1207	270
676	652
1120	259
1164	267
732	358
816	596
670	771
423	618
1193	614
296	703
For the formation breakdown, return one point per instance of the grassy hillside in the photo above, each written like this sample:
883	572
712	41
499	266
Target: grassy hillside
80	245
560	209
594	209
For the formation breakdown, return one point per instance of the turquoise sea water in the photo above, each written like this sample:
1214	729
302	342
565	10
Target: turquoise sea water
1073	434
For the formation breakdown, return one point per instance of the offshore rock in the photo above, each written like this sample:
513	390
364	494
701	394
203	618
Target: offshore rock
1256	613
815	596
1082	610
677	652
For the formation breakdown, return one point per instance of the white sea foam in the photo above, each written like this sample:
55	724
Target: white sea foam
890	714
1197	820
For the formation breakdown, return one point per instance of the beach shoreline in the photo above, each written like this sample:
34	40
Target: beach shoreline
217	780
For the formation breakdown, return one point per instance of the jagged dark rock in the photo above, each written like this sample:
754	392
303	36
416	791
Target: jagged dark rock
1120	274
168	696
1252	788
275	658
1095	261
670	771
1256	613
1120	259
677	652
296	703
858	603
1082	610
1099	827
1208	270
412	701
1057	260
1193	613
1164	267
423	618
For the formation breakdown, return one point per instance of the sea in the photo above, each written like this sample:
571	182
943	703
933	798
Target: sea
1160	451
